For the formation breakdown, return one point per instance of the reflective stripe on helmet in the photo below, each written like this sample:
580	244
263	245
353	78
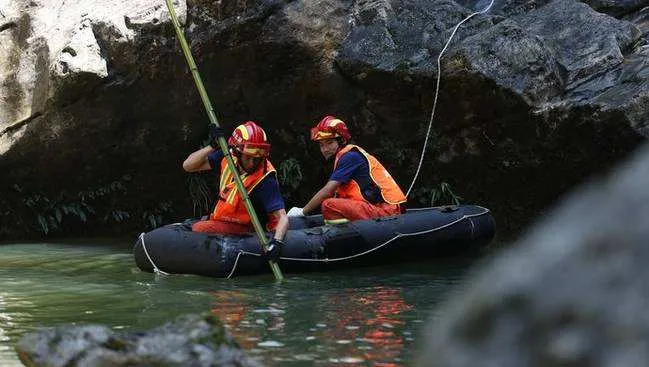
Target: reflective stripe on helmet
317	134
330	127
335	122
243	129
249	138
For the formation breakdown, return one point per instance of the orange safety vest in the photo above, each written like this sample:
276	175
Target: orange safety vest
390	191
230	207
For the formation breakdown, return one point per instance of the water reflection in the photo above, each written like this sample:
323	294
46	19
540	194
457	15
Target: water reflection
356	325
359	317
364	320
231	307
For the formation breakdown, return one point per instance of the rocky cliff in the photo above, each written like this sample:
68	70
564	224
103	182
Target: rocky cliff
98	108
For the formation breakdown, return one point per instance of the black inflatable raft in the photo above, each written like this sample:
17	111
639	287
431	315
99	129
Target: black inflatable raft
419	234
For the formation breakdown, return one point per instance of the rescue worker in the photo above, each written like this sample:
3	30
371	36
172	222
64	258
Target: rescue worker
359	187
249	148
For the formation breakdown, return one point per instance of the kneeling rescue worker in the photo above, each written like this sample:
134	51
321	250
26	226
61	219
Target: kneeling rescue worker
249	148
362	187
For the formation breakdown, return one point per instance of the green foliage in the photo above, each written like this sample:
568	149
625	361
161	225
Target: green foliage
290	173
199	192
155	216
118	216
444	191
50	214
441	194
106	207
117	186
458	63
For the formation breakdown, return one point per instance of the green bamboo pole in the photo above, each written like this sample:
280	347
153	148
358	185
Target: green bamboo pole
261	234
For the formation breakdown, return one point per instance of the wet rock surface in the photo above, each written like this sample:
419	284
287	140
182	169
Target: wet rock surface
191	340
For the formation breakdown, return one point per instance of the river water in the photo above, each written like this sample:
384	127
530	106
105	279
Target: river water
369	316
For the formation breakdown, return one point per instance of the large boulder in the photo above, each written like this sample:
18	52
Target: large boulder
190	340
571	292
99	107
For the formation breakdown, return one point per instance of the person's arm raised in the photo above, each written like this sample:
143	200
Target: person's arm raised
198	161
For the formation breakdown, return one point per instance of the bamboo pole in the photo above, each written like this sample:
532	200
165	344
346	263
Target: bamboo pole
261	234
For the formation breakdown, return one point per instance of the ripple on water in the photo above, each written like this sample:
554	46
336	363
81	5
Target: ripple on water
270	344
269	310
347	360
333	318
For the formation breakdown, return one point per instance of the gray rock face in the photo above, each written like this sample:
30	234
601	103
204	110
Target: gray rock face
572	292
515	58
190	340
616	7
52	47
96	98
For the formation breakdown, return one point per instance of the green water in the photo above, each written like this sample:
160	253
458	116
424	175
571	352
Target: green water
371	316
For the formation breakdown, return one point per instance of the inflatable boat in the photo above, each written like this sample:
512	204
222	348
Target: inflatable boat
418	234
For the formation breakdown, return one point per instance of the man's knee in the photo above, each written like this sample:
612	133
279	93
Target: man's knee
334	209
200	226
328	204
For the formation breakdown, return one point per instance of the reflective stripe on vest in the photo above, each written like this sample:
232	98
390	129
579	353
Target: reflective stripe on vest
390	191
230	207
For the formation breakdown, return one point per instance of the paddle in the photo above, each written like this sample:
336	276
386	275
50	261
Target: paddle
261	235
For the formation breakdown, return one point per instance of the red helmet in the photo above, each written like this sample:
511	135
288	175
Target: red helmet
248	138
330	127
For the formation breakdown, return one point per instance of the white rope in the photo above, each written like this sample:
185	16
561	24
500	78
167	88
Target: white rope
439	77
399	235
155	268
234	267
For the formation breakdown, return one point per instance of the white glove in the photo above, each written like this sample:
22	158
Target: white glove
295	212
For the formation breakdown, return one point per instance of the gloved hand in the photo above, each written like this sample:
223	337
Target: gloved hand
215	133
274	250
295	212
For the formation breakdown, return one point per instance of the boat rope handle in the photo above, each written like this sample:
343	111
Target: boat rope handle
399	235
155	268
439	77
234	267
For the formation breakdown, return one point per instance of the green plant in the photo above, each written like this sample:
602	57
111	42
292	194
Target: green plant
199	192
117	186
50	214
155	216
290	173
457	63
443	190
440	194
118	216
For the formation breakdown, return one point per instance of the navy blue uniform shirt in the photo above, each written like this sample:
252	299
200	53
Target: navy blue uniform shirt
265	197
353	166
